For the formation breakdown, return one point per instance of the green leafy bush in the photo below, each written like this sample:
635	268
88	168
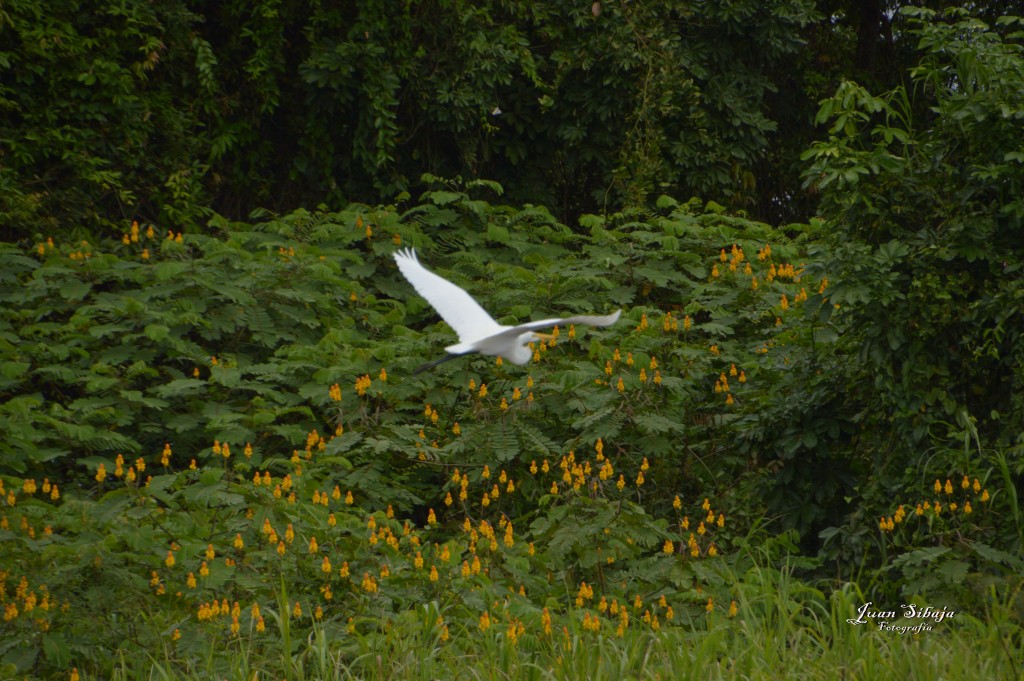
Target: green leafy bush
173	400
918	186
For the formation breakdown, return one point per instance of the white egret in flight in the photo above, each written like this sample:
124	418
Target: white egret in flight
477	330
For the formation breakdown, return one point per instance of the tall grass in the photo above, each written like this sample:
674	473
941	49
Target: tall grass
783	630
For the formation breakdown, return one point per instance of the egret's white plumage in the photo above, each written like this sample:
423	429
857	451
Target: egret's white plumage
477	330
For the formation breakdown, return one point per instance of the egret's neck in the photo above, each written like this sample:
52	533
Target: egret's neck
522	353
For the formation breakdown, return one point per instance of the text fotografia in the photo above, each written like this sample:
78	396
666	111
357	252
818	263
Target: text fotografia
913	620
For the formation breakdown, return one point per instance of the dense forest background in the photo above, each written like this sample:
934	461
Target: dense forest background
164	110
811	213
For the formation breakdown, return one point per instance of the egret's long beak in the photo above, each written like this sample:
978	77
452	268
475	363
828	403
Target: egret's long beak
544	336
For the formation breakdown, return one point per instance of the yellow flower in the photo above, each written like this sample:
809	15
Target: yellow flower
949	487
431	518
369	584
669	548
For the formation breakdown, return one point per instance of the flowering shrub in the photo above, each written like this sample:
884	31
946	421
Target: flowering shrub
945	542
217	437
222	430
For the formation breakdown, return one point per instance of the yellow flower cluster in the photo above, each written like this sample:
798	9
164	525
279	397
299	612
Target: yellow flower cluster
944	505
33	604
670	323
734	258
706	527
42	248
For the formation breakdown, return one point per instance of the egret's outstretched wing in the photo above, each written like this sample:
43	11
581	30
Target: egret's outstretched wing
510	332
470	321
589	320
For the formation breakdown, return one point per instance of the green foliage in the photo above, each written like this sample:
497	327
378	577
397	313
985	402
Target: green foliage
920	188
176	400
153	111
215	460
92	132
927	223
148	379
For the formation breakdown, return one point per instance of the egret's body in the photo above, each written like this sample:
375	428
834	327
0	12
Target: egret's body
477	330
